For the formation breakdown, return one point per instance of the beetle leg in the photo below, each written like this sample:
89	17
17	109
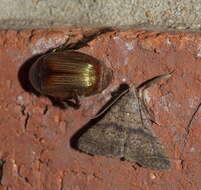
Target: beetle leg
65	104
74	102
76	99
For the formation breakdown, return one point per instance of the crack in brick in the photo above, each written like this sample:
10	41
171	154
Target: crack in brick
26	120
45	110
188	128
2	162
24	178
97	177
26	114
86	174
62	182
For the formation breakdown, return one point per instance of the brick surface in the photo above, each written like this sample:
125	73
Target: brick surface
37	137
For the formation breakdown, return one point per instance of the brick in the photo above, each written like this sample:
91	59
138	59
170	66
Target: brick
36	136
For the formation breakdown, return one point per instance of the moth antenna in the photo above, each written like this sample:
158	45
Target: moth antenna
113	101
140	90
143	86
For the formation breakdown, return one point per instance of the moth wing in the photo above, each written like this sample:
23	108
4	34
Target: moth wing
146	150
105	139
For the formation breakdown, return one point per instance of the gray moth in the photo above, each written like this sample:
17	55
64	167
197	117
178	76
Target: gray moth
124	131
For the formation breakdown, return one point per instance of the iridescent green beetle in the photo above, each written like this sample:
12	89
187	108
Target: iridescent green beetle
68	75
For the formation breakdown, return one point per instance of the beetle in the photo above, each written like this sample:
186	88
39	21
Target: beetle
69	74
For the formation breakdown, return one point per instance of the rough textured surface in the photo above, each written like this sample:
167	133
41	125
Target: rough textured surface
40	13
35	135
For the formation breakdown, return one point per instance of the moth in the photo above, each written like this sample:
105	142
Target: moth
124	131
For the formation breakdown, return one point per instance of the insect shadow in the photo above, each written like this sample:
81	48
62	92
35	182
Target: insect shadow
23	74
23	77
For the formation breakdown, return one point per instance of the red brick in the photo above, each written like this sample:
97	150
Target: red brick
35	135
